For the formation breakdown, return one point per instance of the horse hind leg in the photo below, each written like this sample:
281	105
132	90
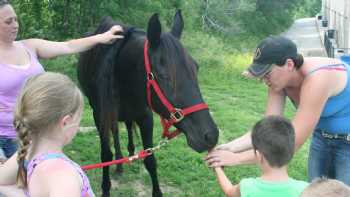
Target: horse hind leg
131	146
146	128
118	152
106	153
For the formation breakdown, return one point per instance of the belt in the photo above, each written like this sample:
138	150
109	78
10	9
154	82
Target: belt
345	137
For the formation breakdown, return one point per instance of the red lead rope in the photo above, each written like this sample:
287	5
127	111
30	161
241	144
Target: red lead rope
141	155
176	115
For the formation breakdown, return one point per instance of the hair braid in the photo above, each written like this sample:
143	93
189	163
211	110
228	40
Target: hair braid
24	142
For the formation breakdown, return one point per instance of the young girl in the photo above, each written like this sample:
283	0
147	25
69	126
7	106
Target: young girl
47	117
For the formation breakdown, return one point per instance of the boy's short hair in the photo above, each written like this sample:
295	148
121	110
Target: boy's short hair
324	187
274	138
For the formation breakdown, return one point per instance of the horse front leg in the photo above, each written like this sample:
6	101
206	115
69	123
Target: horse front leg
146	129
106	153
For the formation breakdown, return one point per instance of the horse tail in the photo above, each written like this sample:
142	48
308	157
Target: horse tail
96	75
93	63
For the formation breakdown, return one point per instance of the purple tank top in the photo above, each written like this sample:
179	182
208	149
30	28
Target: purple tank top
12	78
86	190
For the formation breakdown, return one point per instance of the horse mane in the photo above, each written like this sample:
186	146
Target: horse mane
101	59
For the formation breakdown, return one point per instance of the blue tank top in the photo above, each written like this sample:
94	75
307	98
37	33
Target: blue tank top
335	117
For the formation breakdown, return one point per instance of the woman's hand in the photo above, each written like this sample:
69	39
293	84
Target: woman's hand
226	147
219	158
111	35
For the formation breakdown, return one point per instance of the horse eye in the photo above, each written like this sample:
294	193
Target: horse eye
163	76
162	73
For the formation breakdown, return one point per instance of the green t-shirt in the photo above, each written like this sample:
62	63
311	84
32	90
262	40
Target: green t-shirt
256	187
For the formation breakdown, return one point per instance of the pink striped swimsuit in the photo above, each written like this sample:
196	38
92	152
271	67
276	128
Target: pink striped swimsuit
86	190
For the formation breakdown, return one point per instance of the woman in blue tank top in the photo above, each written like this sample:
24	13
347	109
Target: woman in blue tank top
319	89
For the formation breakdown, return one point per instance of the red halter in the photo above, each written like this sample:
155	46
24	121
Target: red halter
176	114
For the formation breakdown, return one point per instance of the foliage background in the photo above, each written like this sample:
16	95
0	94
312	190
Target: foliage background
62	19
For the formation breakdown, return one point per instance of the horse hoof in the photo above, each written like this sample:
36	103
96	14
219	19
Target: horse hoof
157	194
119	170
105	195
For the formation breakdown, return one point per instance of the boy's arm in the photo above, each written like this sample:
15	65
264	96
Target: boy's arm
226	185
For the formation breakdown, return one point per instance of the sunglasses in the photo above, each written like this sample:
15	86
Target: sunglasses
267	74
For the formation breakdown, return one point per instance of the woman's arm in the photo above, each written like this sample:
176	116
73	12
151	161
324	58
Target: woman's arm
8	171
275	102
237	145
275	105
226	185
218	158
241	148
314	94
48	49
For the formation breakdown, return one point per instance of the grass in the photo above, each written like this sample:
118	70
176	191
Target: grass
236	104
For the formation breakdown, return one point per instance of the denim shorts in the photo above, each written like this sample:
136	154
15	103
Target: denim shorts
329	157
8	146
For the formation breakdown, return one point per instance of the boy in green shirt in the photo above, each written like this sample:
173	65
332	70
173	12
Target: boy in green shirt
273	142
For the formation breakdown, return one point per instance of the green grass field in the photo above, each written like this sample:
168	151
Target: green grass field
235	102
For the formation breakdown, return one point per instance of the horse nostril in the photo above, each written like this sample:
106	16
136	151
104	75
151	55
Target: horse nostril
211	138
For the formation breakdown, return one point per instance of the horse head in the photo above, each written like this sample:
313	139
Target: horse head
176	73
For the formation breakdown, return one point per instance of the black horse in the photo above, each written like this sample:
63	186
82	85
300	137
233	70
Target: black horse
113	77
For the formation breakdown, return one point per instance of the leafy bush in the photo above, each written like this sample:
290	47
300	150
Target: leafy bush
62	19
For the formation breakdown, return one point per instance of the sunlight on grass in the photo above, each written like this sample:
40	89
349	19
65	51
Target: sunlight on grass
238	61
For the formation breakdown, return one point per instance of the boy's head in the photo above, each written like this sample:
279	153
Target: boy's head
274	138
326	188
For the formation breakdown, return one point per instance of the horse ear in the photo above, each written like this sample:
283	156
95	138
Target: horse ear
178	25
153	31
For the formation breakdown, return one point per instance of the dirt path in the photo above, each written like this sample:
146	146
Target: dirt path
306	33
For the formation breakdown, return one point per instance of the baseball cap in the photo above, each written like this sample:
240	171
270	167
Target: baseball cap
271	50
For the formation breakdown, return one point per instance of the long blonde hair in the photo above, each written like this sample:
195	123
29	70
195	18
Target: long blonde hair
43	101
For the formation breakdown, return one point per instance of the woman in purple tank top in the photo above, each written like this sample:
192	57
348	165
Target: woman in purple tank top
19	60
47	117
